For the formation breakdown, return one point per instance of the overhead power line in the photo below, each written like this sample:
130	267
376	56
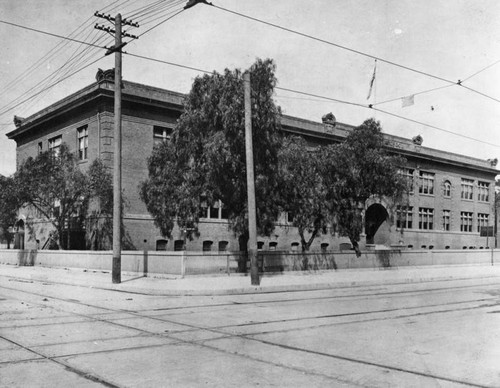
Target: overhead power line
370	106
413	94
335	45
50	33
459	82
163	21
50	86
480	71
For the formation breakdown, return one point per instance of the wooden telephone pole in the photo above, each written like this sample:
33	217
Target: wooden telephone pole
117	166
252	212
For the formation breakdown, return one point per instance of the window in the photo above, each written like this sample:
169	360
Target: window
223	246
40	148
214	212
482	221
324	247
178	245
55	145
426	183
466	221
467	188
289	217
260	245
83	142
273	245
161	134
447	189
483	191
295	246
407	173
161	245
446	220
207	246
404	217
425	218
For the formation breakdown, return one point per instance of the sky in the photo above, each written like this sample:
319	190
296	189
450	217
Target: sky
430	44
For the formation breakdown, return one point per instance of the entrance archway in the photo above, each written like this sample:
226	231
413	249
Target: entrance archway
377	225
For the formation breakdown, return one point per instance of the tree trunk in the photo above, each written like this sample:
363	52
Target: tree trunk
243	243
355	246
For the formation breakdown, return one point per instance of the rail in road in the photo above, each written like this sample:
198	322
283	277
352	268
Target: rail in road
291	338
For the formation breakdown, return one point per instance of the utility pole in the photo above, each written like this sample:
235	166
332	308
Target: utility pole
117	165
252	212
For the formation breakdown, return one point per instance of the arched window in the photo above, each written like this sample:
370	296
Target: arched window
447	189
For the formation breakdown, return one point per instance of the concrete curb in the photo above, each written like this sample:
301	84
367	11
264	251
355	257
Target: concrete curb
190	291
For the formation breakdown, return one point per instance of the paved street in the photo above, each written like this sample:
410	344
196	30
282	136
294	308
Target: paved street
428	334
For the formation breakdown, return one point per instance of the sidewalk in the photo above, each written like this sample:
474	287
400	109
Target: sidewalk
240	284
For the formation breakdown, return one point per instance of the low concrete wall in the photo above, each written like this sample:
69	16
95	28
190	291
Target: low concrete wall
293	261
197	263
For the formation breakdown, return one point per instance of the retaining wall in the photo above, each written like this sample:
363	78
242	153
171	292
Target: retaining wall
198	263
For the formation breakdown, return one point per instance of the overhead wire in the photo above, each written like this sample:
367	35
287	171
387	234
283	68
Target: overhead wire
413	94
58	47
334	44
41	84
47	33
163	21
52	85
77	58
155	9
460	83
159	13
480	71
371	106
365	106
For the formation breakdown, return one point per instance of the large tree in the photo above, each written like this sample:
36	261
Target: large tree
357	169
55	186
8	207
99	221
303	189
205	160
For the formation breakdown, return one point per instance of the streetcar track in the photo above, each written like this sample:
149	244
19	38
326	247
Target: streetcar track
223	334
67	366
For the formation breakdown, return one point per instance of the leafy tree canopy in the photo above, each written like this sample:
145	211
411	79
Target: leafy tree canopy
8	206
303	189
54	185
61	192
357	169
205	160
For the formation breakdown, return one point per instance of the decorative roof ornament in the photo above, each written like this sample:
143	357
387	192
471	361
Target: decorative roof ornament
493	162
105	75
418	140
18	121
329	121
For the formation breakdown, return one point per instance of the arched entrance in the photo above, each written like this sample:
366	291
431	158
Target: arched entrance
19	235
377	225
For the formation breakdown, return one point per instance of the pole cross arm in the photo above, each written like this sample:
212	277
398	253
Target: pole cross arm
192	3
114	49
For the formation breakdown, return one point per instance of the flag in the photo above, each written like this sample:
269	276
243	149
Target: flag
408	101
372	81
